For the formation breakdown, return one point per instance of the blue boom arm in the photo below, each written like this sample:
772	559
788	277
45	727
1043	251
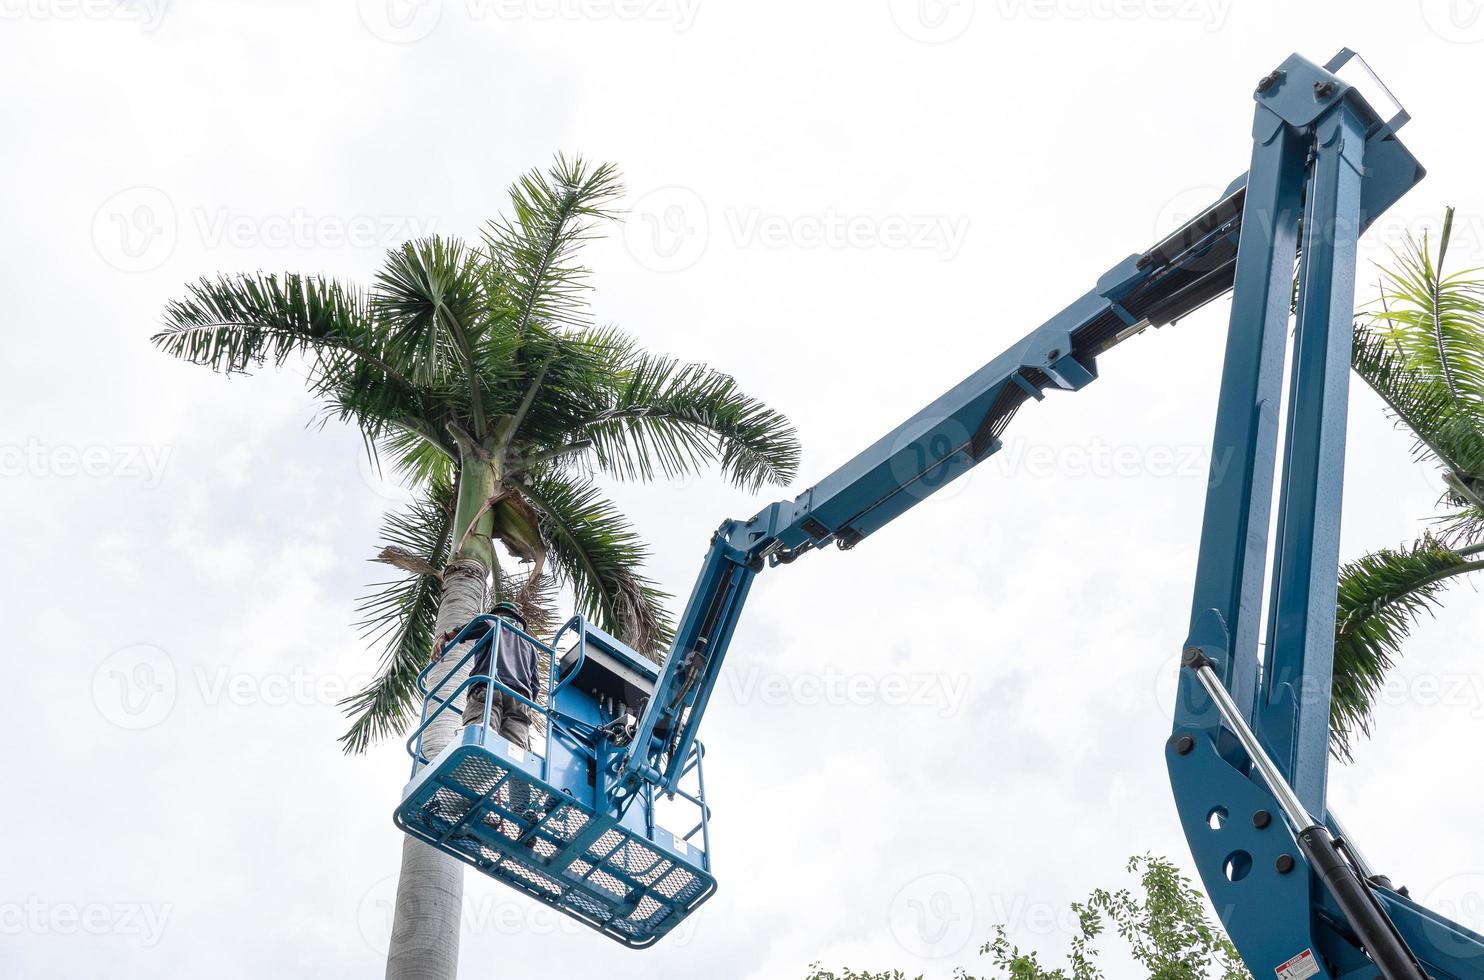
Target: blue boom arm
950	436
944	440
1251	734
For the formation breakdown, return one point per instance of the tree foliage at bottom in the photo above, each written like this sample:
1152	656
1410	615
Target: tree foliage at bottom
1164	925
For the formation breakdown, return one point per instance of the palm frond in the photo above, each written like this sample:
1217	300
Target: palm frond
636	415
389	411
553	214
517	526
1436	321
401	615
568	377
1418	399
1421	348
1462	527
1381	596
672	417
487	354
597	553
430	300
420	452
233	323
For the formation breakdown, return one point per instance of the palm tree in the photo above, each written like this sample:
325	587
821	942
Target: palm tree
1421	348
476	372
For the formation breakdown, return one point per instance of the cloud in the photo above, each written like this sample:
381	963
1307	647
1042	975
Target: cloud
1039	609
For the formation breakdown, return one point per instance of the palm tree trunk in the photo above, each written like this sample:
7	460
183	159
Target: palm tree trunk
430	885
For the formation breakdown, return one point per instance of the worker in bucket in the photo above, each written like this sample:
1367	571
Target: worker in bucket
515	665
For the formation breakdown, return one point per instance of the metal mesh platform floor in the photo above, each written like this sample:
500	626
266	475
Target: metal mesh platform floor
487	811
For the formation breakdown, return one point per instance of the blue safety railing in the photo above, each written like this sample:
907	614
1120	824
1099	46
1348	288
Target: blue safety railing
574	733
489	640
526	818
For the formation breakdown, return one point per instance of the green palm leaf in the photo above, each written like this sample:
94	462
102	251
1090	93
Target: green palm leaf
553	213
1434	319
597	553
675	418
475	374
419	455
429	297
401	616
233	323
1381	596
1463	526
1421	348
1421	401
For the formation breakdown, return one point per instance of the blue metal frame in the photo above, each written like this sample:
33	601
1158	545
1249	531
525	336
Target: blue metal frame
1312	142
957	431
1324	165
544	822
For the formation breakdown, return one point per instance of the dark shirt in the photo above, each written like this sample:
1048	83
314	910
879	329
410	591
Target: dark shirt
516	660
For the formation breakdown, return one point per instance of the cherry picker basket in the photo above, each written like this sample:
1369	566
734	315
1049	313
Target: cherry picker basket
543	821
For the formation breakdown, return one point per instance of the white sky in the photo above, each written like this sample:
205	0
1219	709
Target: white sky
1024	145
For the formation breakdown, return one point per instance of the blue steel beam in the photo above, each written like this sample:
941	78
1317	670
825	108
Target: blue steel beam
1207	772
1293	719
1285	900
1233	555
947	438
961	429
1192	266
1251	238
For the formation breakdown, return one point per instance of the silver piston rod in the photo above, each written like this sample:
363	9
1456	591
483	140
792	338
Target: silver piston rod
1364	914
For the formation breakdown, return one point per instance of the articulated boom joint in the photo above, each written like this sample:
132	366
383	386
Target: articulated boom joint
1251	730
575	827
1324	165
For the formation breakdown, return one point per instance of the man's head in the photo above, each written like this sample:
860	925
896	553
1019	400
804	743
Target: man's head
507	610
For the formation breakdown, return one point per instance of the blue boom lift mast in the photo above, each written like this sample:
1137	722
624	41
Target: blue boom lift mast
576	826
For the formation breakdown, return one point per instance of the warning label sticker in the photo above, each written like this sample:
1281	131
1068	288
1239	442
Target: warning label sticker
1302	965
